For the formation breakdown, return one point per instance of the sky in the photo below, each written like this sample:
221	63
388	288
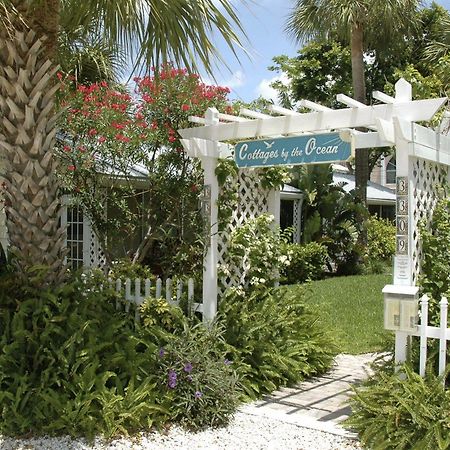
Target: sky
264	22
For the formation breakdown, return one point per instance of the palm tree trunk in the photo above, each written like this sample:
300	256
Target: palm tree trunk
27	135
359	93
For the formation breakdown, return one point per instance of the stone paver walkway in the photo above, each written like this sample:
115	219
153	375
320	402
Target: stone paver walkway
319	403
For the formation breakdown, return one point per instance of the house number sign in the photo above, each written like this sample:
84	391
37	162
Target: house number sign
402	215
402	225
402	186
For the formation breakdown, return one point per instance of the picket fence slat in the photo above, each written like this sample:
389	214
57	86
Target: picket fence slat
425	332
190	290
423	336
443	338
158	288
118	289
132	292
148	285
169	290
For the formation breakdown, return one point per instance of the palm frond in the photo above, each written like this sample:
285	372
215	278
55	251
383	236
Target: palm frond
381	20
156	31
10	18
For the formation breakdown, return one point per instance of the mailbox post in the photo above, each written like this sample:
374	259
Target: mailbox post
401	307
401	311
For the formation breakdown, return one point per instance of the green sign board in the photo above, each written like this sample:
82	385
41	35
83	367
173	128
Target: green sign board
291	151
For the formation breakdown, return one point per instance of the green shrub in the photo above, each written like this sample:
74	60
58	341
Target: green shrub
196	379
157	313
274	340
402	412
72	364
380	245
124	268
306	262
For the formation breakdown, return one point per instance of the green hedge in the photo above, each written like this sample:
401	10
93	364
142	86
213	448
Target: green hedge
380	245
306	262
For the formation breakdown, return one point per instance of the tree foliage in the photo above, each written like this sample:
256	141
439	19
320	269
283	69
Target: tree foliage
330	216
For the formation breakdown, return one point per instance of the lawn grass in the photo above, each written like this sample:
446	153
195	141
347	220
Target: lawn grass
352	308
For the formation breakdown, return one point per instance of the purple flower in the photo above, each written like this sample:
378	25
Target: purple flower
189	378
198	394
172	379
227	362
188	367
161	352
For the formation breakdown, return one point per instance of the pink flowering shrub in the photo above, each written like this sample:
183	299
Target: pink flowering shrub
109	134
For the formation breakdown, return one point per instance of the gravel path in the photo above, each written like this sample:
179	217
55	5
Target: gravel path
245	432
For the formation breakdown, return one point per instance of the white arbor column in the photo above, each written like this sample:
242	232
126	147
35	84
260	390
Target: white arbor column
403	267
273	205
211	187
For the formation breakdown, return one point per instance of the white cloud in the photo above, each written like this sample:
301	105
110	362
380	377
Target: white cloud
265	90
235	80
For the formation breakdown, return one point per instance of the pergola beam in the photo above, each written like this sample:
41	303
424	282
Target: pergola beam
283	111
313	106
382	97
253	114
412	111
348	101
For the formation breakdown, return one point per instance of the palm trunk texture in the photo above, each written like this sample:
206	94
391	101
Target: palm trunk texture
359	93
28	86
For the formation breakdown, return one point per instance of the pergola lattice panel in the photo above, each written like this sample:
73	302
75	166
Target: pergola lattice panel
427	179
296	219
252	202
97	258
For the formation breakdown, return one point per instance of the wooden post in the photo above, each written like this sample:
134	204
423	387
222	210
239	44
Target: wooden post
210	289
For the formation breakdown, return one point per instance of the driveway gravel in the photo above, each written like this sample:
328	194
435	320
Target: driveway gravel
246	431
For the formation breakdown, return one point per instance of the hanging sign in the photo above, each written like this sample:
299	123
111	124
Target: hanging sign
295	150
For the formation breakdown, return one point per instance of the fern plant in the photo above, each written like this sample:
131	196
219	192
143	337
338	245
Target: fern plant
402	412
72	364
273	339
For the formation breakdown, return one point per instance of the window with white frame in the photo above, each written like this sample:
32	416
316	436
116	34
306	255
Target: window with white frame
75	234
391	171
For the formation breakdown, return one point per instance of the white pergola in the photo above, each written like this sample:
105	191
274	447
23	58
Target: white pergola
392	122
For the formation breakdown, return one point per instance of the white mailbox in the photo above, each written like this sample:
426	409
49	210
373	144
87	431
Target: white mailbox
401	307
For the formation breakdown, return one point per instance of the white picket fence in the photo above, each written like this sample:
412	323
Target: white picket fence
425	332
135	291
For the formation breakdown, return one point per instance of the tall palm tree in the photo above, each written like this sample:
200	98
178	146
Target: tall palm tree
150	31
365	24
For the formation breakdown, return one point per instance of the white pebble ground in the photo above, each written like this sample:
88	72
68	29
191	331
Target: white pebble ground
244	432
